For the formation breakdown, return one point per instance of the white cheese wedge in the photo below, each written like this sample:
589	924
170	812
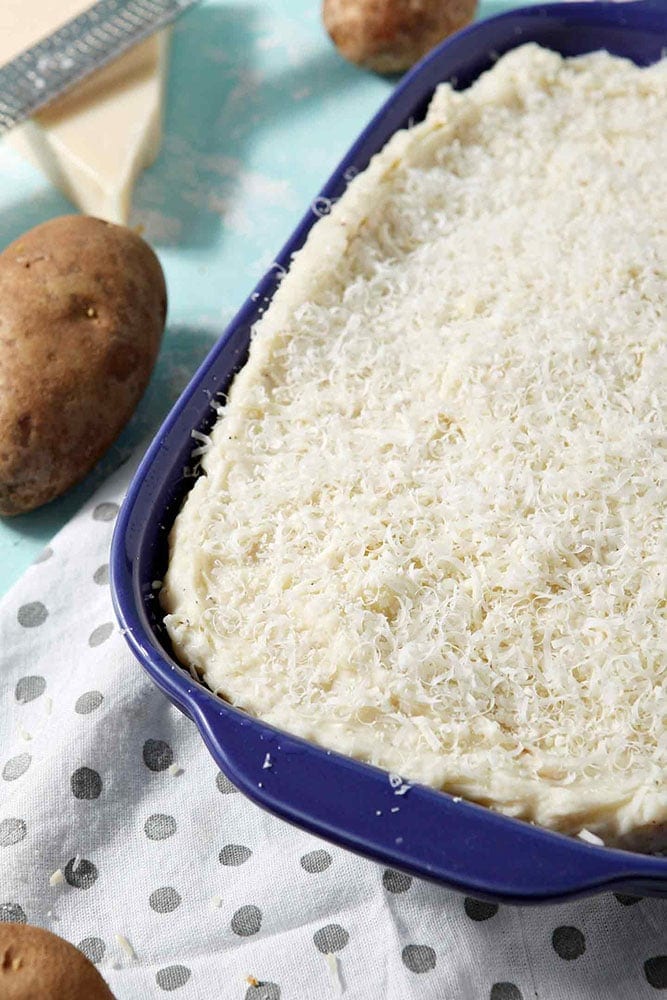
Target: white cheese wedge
94	141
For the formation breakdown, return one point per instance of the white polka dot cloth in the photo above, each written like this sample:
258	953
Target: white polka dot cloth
118	832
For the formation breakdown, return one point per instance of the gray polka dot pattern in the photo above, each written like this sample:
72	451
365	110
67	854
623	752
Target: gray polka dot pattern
247	921
655	970
81	875
173	977
164	900
93	948
12	913
568	943
12	831
159	826
315	861
395	881
32	615
418	958
86	783
158	755
100	634
224	785
265	991
29	688
331	938
88	702
478	910
105	512
101	574
234	854
15	767
505	991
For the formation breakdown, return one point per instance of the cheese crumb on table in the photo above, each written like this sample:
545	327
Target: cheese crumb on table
334	971
431	532
123	943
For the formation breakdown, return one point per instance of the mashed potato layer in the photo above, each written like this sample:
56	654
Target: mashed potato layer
431	530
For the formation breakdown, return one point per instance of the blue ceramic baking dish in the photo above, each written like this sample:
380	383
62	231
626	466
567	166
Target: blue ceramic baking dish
431	835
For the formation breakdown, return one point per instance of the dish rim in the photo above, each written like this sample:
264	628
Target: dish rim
536	865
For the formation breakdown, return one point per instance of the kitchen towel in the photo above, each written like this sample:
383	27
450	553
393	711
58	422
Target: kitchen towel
118	832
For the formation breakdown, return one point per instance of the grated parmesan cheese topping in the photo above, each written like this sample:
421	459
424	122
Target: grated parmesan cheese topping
591	838
431	532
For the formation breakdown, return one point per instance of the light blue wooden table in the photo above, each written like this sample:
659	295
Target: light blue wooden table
260	107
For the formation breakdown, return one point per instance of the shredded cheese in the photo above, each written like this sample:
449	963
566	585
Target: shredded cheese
590	838
332	963
123	943
431	529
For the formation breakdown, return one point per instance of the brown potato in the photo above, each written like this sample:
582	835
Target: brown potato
389	36
38	965
82	310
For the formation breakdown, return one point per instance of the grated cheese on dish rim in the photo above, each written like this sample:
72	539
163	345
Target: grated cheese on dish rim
431	529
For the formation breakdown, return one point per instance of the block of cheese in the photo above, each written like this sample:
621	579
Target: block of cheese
94	141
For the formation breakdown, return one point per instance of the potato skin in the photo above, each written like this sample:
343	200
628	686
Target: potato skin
82	310
38	965
389	36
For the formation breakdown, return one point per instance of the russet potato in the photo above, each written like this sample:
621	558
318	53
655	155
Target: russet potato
38	965
82	310
389	36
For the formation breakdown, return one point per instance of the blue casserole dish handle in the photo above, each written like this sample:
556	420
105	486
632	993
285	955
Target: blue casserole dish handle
419	830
